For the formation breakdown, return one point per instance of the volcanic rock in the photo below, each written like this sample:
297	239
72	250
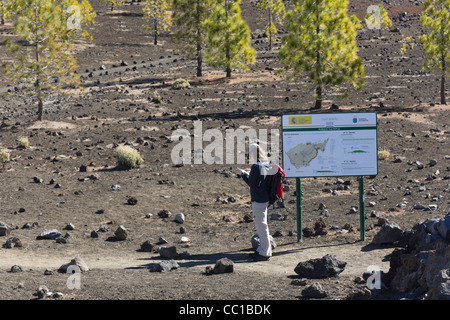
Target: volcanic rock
327	266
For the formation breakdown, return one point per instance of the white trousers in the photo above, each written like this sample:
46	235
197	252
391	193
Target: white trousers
260	217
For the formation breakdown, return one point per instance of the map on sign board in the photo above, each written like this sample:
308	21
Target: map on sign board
323	145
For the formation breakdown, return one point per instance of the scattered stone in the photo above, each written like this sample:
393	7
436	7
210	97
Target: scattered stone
5	230
94	234
324	213
115	187
184	240
180	218
30	225
359	294
397	159
121	233
15	268
69	226
327	266
103	228
308	232
48	272
161	240
223	265
315	291
132	201
278	233
353	210
51	234
147	246
42	292
38	180
322	206
168	252
164	214
78	262
164	266
389	233
13	242
419	207
67	238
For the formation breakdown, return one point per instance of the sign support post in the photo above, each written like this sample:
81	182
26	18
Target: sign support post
362	209
298	192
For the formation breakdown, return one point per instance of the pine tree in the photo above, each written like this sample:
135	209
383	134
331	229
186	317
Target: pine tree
190	17
76	15
275	10
436	18
3	11
113	3
228	38
158	17
322	43
378	19
45	64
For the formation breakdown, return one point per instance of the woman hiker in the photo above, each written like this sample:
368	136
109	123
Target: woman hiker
260	199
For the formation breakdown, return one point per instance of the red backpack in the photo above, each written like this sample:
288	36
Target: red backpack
275	185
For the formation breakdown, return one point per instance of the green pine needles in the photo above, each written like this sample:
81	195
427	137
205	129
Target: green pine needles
322	44
436	19
228	38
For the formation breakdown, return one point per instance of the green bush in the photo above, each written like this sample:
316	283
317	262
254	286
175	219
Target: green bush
128	157
4	157
383	154
23	142
180	84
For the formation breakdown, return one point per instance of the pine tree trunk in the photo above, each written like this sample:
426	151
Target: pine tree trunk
199	42
156	33
40	110
37	82
270	29
318	104
443	79
199	59
227	46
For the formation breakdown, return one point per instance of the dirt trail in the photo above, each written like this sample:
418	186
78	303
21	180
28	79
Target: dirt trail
283	262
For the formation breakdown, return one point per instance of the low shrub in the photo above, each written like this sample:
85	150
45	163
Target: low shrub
23	142
128	157
4	157
383	154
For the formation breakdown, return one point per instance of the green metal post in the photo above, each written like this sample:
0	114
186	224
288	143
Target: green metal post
362	209
299	209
